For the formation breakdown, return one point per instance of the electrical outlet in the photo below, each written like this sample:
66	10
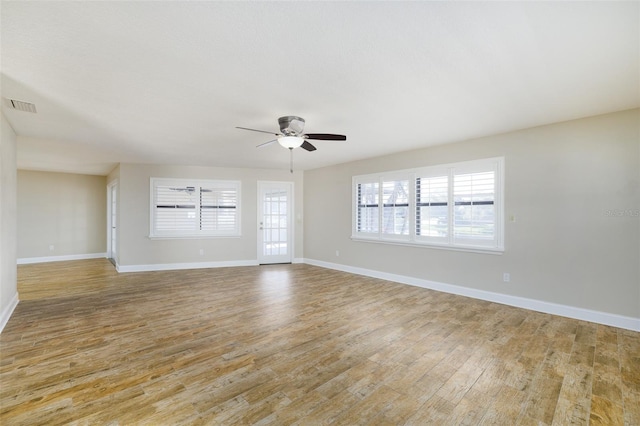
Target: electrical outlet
506	277
201	252
337	253
52	247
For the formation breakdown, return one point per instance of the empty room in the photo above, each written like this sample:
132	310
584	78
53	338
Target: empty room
310	213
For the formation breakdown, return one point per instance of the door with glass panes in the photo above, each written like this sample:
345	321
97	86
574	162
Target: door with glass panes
275	224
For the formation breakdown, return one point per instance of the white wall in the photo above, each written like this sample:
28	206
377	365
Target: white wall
60	210
561	181
137	250
8	213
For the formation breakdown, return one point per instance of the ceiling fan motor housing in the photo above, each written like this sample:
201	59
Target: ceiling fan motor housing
291	125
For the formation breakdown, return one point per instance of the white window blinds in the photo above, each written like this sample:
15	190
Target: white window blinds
181	208
455	205
218	209
432	207
175	208
367	219
395	213
474	212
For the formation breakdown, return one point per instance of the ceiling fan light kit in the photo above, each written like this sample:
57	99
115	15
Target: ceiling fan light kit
291	135
290	141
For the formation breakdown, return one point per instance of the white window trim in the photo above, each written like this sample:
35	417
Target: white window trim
494	163
196	234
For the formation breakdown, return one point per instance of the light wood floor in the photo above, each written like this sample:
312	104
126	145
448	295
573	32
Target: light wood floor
297	344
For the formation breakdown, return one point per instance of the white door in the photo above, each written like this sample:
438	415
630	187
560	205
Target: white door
112	223
275	224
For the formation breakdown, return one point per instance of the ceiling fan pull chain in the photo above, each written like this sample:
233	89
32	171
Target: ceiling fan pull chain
291	160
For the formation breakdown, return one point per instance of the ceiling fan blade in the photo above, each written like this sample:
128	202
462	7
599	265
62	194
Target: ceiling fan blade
261	131
306	145
325	137
266	143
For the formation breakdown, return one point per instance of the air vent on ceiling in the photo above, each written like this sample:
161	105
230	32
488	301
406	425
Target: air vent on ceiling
23	106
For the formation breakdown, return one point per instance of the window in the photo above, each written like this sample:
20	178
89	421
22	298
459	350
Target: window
183	208
453	206
395	207
432	208
474	206
367	220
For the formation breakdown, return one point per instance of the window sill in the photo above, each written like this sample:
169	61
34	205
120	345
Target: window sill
190	237
468	249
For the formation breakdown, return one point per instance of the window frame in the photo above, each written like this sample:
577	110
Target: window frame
449	242
198	185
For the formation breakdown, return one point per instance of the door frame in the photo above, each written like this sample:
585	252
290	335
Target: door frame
111	187
290	220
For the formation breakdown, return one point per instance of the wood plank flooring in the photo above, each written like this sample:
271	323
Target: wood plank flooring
297	344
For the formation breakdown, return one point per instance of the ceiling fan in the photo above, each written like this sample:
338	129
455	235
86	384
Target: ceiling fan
291	135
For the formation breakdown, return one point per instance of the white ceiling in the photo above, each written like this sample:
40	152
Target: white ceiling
167	82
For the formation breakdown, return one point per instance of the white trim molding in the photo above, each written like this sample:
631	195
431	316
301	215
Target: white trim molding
27	260
188	265
614	320
8	311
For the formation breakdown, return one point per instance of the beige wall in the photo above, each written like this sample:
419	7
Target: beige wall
560	181
135	247
63	210
8	212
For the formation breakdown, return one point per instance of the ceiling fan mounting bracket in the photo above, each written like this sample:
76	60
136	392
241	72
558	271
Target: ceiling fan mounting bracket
291	125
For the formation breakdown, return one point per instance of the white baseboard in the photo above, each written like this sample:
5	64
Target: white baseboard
27	260
614	320
188	265
7	311
620	321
